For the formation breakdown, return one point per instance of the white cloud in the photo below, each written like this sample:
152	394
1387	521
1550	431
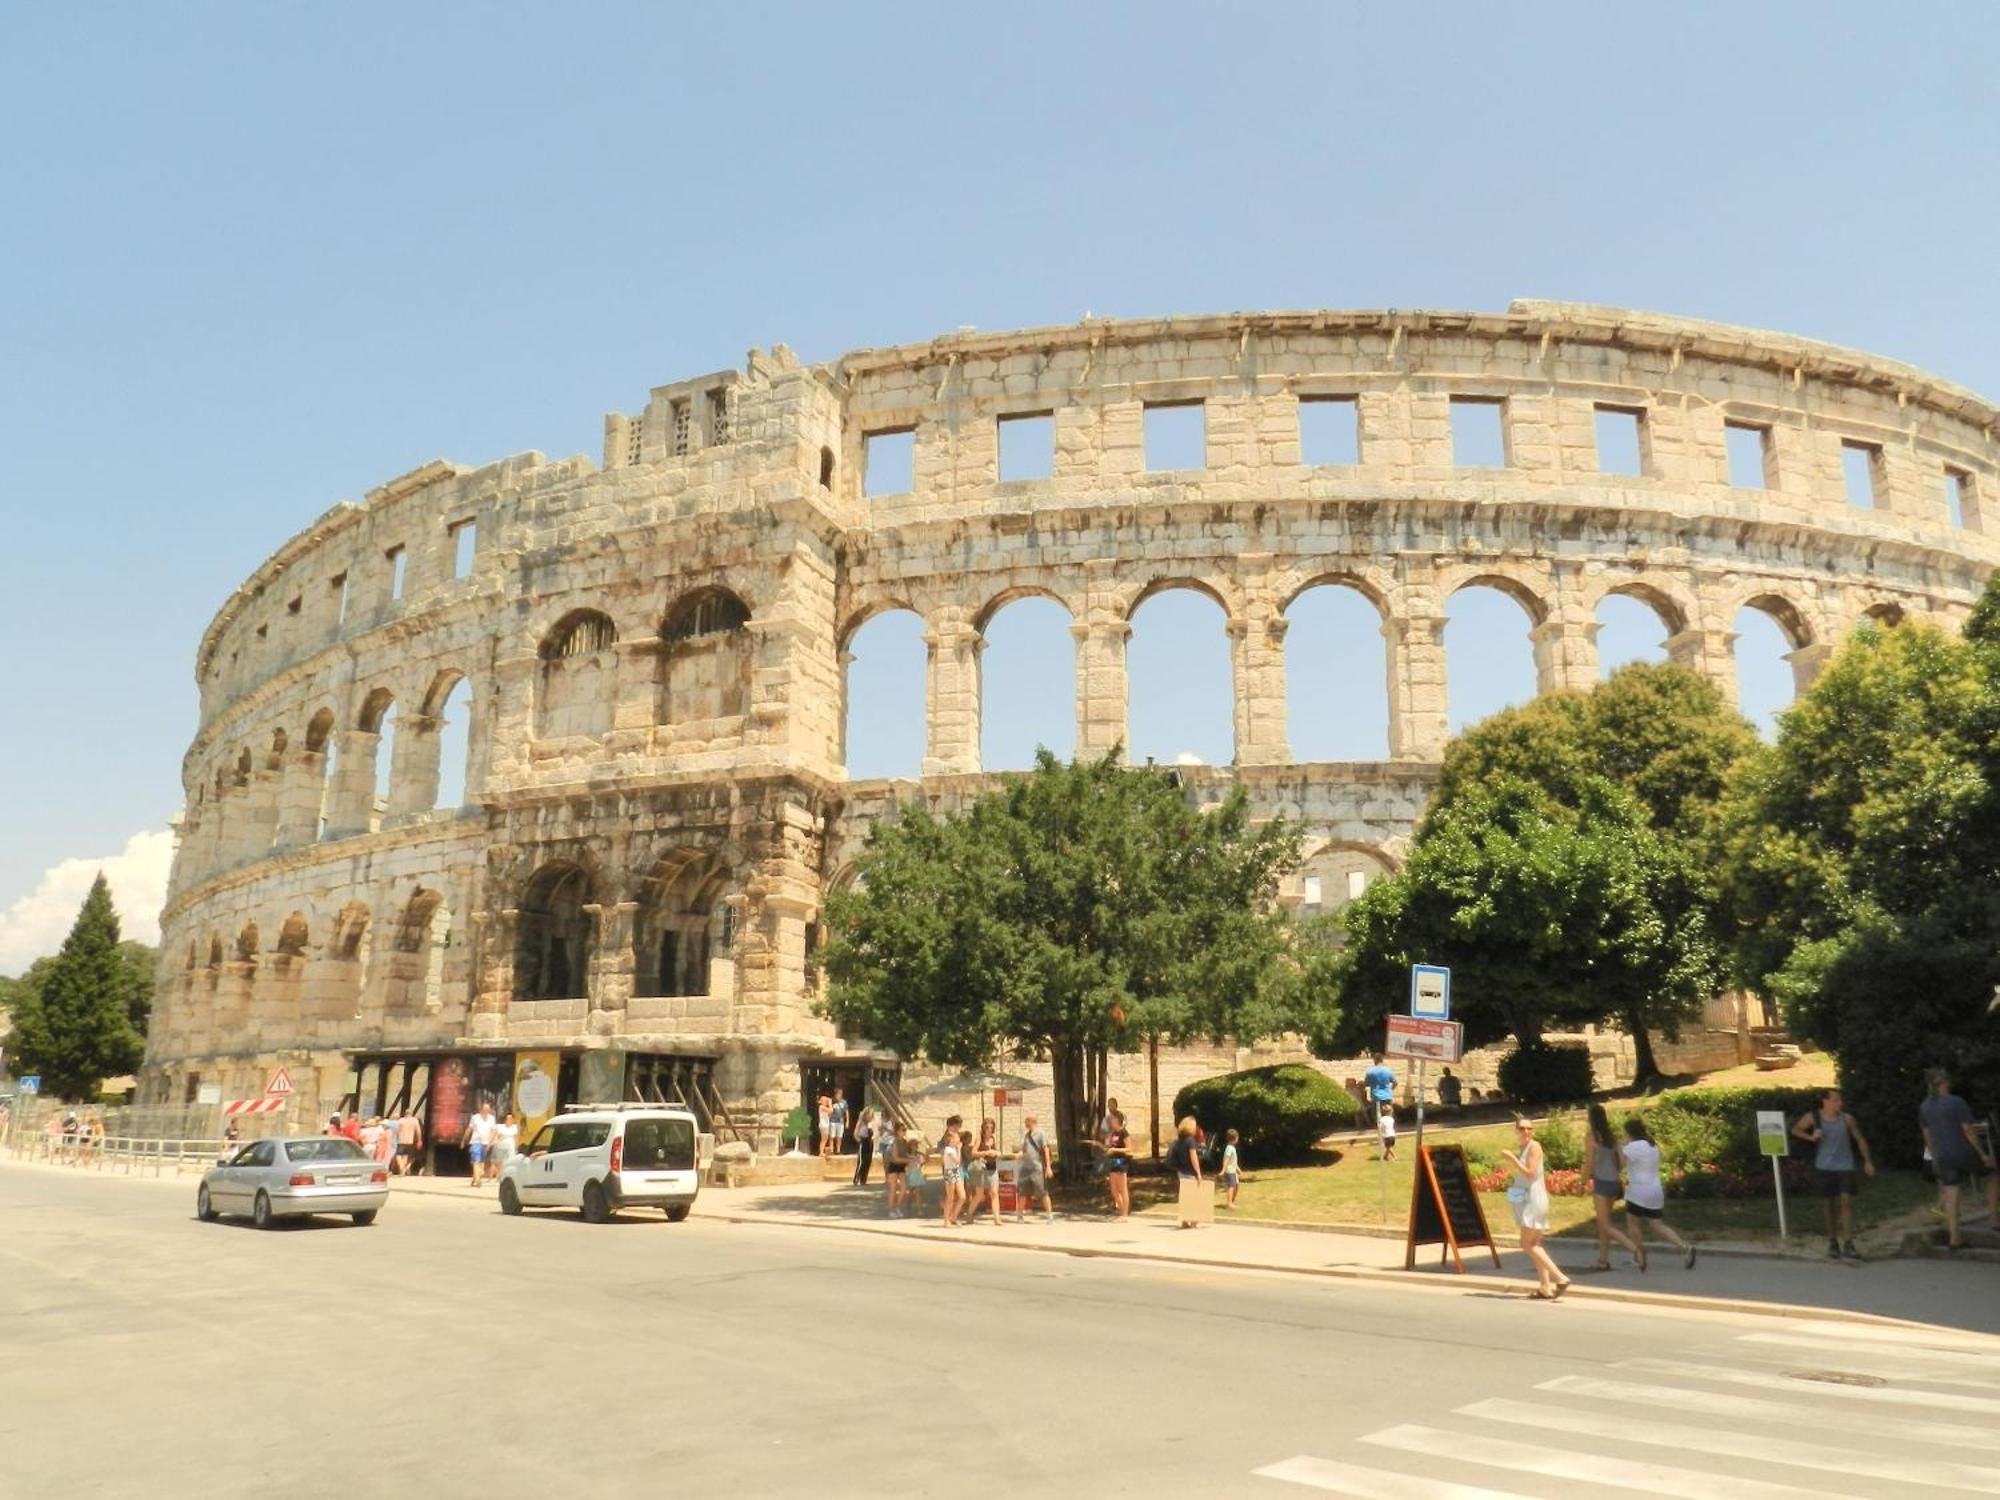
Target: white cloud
1189	758
37	924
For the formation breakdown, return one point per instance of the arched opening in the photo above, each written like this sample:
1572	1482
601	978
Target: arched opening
1769	630
1332	877
350	933
681	925
246	944
1336	675
1489	656
292	937
1631	627
1027	684
242	777
319	744
1888	614
555	937
416	972
705	658
450	709
826	468
215	950
386	730
276	759
1179	680
576	690
887	671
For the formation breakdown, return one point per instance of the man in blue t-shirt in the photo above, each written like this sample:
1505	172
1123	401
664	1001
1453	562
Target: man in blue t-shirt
1959	1152
1381	1086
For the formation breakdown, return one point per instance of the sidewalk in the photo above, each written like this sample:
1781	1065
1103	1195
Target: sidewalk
1940	1292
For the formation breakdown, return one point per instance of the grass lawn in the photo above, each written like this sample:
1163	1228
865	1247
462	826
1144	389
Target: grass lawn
1348	1186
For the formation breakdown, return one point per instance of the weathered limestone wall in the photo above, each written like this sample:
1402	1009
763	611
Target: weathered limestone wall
653	649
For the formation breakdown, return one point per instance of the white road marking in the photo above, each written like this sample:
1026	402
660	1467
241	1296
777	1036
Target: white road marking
1792	1414
1767	1382
1848	1334
1381	1484
1586	1468
1957	1364
1762	1447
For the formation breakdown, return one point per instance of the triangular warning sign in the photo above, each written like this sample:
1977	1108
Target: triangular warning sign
281	1082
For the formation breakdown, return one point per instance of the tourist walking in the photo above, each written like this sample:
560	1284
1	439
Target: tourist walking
984	1173
1837	1138
478	1140
1380	1082
864	1145
409	1136
1184	1157
1606	1188
1232	1169
1959	1154
1032	1171
895	1166
1117	1149
1528	1196
836	1123
506	1141
1385	1128
954	1177
1645	1195
825	1111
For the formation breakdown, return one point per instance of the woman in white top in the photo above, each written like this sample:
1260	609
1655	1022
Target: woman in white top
1528	1195
506	1141
1645	1198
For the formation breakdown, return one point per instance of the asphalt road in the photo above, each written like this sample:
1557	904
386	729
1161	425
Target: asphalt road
447	1351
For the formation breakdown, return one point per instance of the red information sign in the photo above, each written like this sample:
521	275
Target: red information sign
1429	1041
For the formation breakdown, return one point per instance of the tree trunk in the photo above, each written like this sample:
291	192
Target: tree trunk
1645	1066
1070	1066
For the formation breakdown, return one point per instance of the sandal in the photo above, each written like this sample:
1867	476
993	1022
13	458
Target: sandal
1562	1286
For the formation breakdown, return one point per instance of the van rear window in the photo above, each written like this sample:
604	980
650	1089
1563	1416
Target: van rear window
659	1146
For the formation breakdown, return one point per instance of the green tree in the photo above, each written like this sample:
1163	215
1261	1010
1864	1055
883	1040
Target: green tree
1863	852
73	1023
1078	911
1561	871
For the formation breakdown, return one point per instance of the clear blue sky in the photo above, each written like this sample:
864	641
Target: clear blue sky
256	259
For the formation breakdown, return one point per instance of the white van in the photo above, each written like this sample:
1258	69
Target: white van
600	1158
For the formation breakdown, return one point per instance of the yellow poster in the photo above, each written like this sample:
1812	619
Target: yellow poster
535	1077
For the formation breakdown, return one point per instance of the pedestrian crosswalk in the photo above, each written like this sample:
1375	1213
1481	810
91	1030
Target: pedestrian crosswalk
1814	1411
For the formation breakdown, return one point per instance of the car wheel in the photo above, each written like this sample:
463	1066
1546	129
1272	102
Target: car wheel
677	1211
510	1200
595	1207
204	1209
366	1217
260	1211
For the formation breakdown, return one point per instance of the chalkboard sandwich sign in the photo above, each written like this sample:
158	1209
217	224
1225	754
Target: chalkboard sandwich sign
1444	1210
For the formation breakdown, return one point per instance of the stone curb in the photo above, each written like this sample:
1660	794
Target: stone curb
1461	1285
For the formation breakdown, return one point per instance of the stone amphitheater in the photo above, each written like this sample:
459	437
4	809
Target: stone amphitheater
650	656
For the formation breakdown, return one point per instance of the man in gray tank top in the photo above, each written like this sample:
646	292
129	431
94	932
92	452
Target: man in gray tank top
1836	1137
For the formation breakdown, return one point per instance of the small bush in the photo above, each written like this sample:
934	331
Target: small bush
1280	1111
1715	1130
1562	1143
1546	1075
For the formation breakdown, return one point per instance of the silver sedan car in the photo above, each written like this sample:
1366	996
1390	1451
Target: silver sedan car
275	1179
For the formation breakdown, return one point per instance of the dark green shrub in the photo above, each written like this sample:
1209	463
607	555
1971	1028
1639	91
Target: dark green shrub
1279	1111
1716	1129
1562	1143
1546	1075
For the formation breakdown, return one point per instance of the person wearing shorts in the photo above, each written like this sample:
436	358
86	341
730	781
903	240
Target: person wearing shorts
1031	1172
1232	1170
1959	1153
895	1167
1836	1137
479	1140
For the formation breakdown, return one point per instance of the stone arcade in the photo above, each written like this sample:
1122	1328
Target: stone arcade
654	652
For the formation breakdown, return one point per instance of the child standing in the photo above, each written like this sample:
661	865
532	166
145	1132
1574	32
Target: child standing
1385	1122
1232	1172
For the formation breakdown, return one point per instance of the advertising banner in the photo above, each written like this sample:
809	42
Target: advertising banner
1428	1041
449	1091
535	1076
601	1076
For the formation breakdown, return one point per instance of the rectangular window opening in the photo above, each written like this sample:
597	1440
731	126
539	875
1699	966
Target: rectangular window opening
1958	506
1329	431
1478	432
398	558
1750	456
1312	890
1176	436
1621	440
888	461
338	586
1861	470
635	441
1027	445
683	417
718	415
1357	882
464	543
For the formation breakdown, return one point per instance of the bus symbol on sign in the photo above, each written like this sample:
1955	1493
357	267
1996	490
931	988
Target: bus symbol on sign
1430	992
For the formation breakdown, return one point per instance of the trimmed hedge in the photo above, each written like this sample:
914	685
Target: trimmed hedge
1547	1075
1700	1129
1279	1111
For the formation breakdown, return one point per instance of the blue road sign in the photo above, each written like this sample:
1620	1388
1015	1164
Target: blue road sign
1430	992
32	1084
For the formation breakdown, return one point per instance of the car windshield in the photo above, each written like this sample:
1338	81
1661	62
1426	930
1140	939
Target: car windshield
327	1148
